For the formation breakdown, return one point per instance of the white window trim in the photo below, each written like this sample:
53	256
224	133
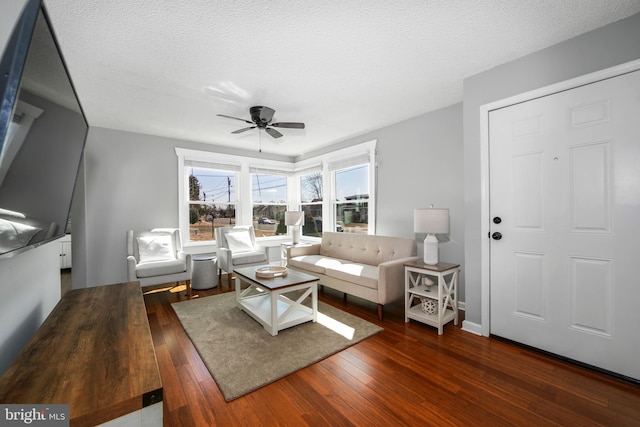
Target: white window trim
244	204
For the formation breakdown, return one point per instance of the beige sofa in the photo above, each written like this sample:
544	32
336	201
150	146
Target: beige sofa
369	267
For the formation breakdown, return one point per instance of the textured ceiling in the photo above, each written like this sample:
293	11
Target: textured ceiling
167	67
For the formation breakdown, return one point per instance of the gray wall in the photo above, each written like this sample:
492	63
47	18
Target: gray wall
605	47
130	182
420	162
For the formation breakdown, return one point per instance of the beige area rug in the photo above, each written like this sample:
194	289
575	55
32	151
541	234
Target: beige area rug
242	356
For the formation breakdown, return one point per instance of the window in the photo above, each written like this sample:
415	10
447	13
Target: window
335	190
269	202
311	201
211	200
351	205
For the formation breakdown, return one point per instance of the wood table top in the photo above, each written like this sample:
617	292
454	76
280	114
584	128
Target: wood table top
94	352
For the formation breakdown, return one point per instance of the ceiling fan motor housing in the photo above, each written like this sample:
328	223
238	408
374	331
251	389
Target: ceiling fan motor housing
261	116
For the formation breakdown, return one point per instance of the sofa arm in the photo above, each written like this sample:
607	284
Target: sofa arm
225	260
391	279
131	268
294	251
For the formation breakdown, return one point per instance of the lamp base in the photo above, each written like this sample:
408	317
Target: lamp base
295	234
430	249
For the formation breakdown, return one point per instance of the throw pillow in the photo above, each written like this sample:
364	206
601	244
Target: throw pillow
239	241
155	248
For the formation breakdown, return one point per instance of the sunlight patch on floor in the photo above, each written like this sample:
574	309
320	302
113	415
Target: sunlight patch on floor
337	327
173	289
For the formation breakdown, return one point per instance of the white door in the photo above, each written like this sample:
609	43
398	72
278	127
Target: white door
565	185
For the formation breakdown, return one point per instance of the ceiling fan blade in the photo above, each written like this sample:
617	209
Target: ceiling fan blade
234	118
274	133
290	125
244	129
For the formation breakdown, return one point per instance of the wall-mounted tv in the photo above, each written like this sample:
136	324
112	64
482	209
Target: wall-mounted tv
42	136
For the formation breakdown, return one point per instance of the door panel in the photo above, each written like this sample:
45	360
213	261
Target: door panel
565	180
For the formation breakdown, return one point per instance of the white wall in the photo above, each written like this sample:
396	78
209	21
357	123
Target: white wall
605	47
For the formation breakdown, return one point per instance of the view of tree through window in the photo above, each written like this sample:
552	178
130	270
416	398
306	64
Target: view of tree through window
211	201
311	191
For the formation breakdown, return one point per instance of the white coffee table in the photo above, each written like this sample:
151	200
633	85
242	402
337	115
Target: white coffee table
277	303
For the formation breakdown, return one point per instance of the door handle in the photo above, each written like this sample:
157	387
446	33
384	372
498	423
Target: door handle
496	236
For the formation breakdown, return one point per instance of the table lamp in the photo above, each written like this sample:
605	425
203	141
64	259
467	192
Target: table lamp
431	221
294	219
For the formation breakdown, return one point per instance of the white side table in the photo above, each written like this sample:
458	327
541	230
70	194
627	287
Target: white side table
443	293
204	272
286	245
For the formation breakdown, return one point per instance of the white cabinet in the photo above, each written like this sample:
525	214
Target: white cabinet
65	251
438	299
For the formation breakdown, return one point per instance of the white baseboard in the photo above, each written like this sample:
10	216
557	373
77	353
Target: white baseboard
472	327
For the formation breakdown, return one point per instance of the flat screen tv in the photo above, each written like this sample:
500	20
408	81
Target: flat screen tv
42	136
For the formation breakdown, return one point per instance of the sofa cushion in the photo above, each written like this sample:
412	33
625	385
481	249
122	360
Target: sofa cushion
366	249
360	274
160	268
242	258
315	263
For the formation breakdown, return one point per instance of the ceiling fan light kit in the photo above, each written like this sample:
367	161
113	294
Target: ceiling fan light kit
261	118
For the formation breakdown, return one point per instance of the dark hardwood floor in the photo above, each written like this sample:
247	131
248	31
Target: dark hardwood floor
405	375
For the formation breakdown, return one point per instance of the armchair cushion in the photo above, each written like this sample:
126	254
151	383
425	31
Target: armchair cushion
240	241
252	257
160	268
158	247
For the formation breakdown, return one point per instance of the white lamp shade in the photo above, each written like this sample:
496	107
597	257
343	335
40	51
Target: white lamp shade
431	221
294	218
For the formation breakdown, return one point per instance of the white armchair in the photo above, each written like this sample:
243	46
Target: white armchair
156	256
237	248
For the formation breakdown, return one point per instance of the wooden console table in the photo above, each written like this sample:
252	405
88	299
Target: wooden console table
95	353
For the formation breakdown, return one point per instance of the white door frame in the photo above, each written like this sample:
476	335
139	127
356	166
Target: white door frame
485	261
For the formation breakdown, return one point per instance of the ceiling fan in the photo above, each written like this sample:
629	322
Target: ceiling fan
261	118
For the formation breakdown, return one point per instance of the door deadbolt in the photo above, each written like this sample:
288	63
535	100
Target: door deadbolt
497	220
496	236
